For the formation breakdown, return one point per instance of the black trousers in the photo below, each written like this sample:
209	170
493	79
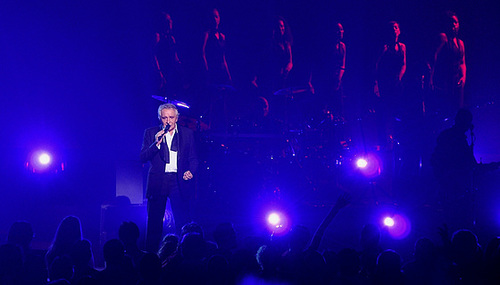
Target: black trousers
156	211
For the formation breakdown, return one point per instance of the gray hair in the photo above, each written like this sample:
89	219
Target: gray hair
167	106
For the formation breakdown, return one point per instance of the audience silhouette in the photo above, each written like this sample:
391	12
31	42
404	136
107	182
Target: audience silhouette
67	234
290	259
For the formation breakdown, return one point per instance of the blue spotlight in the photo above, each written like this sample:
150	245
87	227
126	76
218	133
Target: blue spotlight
277	223
361	163
44	158
274	219
389	222
370	165
44	162
398	226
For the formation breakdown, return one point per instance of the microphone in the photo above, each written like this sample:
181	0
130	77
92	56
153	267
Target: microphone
165	130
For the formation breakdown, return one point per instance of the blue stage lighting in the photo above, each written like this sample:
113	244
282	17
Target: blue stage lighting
274	219
42	161
277	223
44	158
388	221
398	226
361	163
370	165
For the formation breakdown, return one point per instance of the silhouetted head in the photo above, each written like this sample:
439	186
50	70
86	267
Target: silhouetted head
121	201
168	246
463	120
129	233
452	25
225	236
113	251
261	107
192	227
393	31
193	246
349	262
339	32
166	23
464	246
281	30
424	250
68	232
20	233
81	253
388	262
215	18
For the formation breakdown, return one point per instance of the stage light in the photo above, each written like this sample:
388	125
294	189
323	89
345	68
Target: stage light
277	223
388	221
44	158
398	226
274	219
361	163
370	165
43	161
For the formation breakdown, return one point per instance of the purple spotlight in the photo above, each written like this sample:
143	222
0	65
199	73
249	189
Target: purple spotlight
361	163
400	228
369	165
277	223
389	222
274	219
44	158
43	161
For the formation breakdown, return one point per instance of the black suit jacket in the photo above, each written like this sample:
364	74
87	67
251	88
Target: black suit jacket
186	160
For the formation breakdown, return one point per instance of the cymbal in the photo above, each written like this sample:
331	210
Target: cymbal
291	90
175	102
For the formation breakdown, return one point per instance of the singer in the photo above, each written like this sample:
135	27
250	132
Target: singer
170	149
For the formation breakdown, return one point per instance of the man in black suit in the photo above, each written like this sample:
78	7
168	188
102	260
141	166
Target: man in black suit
171	152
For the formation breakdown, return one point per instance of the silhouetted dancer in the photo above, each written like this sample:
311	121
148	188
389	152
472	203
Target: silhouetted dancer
214	52
448	69
166	60
390	69
219	81
329	71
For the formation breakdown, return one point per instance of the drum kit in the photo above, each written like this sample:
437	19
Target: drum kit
291	122
277	142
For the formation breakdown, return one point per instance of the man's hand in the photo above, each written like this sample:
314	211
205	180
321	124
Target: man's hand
187	175
158	136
